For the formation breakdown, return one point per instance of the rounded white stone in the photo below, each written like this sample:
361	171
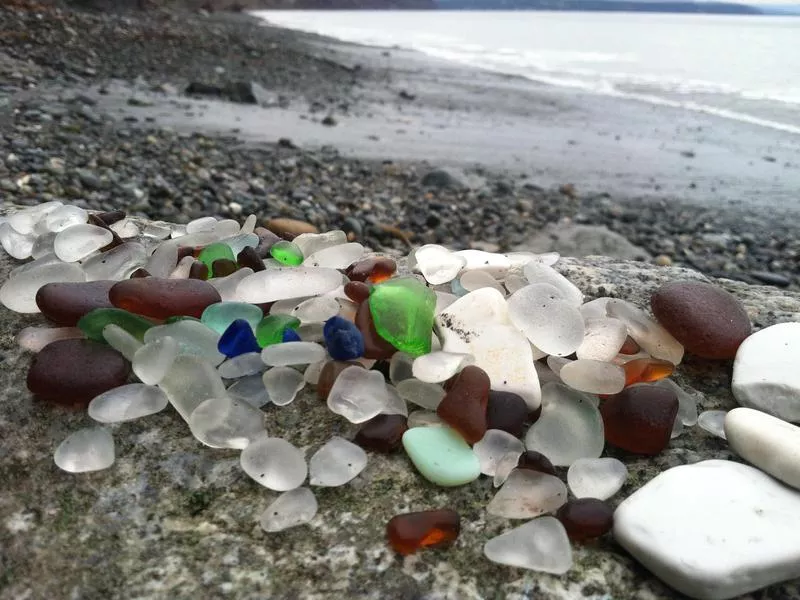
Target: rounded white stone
292	508
766	442
766	374
274	463
117	263
336	463
569	428
598	478
16	244
89	449
127	402
541	545
316	310
65	216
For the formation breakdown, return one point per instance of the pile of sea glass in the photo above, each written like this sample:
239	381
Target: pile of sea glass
473	363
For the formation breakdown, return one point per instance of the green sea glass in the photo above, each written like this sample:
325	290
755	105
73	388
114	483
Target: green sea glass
287	253
270	330
402	310
93	322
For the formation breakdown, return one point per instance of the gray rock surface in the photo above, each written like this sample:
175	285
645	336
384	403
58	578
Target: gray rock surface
583	240
173	519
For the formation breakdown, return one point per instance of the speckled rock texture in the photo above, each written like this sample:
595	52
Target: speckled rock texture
173	519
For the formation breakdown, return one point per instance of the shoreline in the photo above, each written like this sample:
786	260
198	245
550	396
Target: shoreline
514	144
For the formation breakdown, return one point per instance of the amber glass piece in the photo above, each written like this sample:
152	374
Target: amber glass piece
586	518
266	239
222	267
184	251
464	405
640	418
357	291
72	372
198	270
409	532
66	303
374	345
248	257
535	461
115	239
383	433
644	370
709	321
630	346
507	411
329	373
140	273
161	298
373	270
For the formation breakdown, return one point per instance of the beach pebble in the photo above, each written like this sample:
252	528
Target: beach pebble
766	376
709	321
336	463
540	545
677	526
340	256
508	412
383	433
66	303
274	463
290	509
89	449
687	402
598	478
242	365
192	337
766	442
652	337
569	428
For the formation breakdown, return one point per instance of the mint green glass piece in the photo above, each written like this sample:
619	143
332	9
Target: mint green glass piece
219	316
402	310
214	252
441	455
287	253
270	330
176	318
92	323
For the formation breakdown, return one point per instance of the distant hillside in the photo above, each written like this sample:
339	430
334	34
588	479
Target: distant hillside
601	5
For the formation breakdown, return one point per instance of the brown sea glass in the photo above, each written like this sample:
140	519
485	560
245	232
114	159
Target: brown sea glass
357	291
383	433
374	345
140	272
65	303
222	267
507	411
535	461
72	372
586	518
409	532
629	347
373	270
709	321
640	418
248	257
162	298
464	405
198	270
644	370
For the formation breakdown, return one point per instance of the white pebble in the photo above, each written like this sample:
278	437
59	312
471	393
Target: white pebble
89	449
292	508
127	402
63	217
274	463
193	338
598	478
228	287
16	244
117	263
316	310
475	280
336	463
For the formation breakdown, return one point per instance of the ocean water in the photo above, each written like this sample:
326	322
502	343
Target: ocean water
740	67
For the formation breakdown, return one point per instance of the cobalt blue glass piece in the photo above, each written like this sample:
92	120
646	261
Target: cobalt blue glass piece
343	339
290	335
238	339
